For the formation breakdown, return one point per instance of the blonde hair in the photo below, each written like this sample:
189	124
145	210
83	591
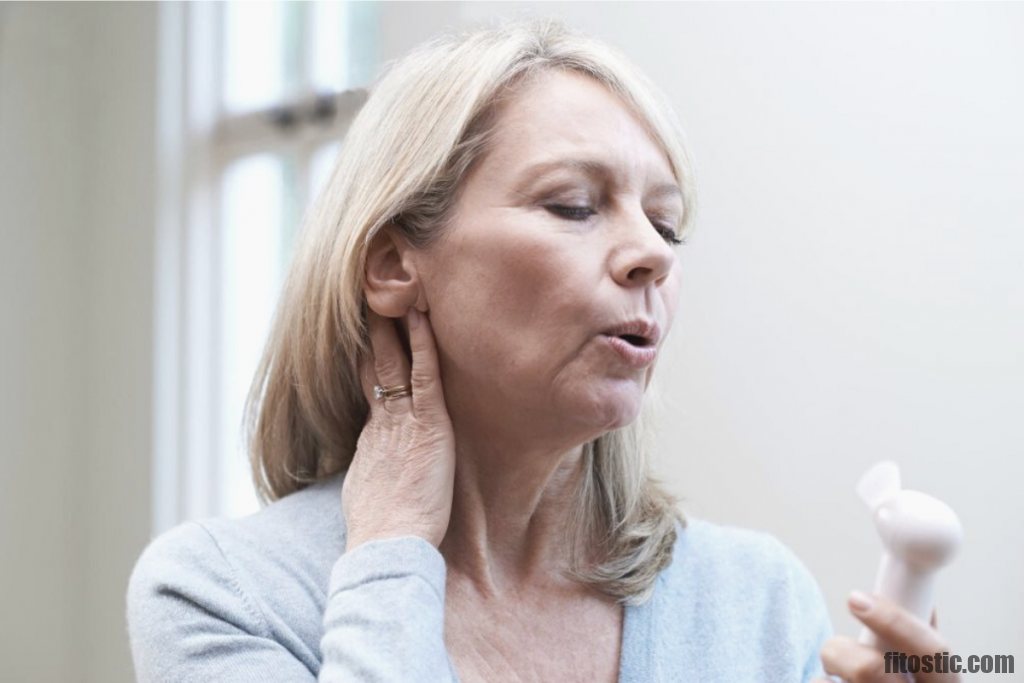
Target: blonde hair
427	121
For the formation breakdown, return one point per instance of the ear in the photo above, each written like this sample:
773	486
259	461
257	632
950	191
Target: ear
392	281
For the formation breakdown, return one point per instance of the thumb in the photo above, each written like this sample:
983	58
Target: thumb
895	625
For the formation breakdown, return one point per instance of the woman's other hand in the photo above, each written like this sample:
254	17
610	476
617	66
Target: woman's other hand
402	476
858	663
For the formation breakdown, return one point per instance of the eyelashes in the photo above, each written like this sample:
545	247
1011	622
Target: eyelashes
572	213
583	213
669	234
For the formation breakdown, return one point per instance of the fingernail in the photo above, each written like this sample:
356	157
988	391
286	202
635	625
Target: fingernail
860	602
414	318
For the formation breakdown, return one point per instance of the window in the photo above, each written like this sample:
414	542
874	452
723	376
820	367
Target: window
255	98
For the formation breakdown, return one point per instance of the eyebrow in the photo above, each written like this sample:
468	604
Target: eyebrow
592	168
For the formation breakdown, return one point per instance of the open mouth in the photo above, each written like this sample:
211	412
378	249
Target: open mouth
634	340
635	350
638	334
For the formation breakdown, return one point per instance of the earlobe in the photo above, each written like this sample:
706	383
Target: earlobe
392	283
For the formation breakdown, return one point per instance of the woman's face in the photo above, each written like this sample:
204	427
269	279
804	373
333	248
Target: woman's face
559	249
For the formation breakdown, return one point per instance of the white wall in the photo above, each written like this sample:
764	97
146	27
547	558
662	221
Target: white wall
856	288
77	107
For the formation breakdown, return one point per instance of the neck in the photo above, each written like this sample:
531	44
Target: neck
509	511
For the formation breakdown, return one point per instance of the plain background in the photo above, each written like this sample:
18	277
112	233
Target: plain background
855	292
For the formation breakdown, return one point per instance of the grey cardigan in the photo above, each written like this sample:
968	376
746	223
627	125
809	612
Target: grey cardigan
274	598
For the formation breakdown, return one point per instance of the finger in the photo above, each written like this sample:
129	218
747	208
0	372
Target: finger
427	396
895	625
848	659
367	377
390	364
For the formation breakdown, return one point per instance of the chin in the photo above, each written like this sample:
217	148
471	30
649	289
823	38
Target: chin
607	411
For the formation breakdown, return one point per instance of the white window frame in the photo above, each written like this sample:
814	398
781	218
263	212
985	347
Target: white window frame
197	141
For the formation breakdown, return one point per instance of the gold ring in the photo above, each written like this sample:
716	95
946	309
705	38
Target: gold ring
387	393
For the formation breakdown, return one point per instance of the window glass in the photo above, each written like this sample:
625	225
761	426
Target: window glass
252	185
260	47
344	45
253	204
330	53
321	167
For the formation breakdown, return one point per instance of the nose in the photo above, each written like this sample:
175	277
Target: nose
642	257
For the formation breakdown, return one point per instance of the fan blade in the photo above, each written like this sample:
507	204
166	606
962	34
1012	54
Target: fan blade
879	483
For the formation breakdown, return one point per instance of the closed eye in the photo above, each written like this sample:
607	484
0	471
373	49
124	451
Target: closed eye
582	213
669	234
572	213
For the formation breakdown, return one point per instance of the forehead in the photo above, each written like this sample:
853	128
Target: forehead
565	115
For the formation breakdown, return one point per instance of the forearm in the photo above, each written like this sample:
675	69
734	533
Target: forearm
384	620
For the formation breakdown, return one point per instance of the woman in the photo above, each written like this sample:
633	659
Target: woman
461	355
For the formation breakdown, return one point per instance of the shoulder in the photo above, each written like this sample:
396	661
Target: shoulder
714	553
727	564
746	596
303	532
184	561
261	577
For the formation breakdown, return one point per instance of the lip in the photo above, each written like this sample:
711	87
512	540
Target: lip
648	331
636	357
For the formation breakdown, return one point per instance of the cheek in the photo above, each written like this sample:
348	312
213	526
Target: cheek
482	291
515	310
670	293
512	280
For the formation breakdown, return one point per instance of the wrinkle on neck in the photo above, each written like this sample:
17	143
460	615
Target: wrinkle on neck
509	512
